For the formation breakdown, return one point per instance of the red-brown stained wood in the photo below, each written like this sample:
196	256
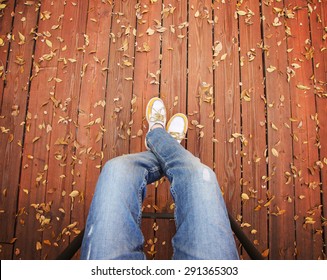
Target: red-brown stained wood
173	92
13	110
6	251
318	21
60	182
6	25
34	212
146	63
307	191
253	124
281	237
120	84
37	215
92	98
227	160
200	81
282	123
93	79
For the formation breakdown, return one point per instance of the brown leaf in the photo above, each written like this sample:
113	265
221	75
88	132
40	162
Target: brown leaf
265	253
38	246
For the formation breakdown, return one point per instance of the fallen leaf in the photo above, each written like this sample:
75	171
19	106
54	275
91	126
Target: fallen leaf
274	152
244	196
302	87
265	253
74	193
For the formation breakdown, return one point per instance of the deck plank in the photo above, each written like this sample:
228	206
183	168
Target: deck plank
227	161
146	64
55	184
13	110
253	124
173	93
81	101
281	237
37	217
200	81
318	21
6	251
91	103
303	104
60	182
120	80
6	26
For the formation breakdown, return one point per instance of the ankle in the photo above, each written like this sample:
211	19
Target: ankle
157	125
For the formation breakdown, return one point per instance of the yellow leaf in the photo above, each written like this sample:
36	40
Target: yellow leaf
271	69
21	38
72	225
49	43
302	87
150	31
223	57
38	246
127	63
244	196
274	152
124	47
241	13
74	193
274	126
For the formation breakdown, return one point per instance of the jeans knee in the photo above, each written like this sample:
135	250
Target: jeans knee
125	166
199	173
124	171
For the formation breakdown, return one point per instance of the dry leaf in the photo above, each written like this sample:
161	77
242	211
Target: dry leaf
302	87
21	38
244	196
223	57
241	13
265	253
274	152
271	69
74	193
49	43
38	246
150	31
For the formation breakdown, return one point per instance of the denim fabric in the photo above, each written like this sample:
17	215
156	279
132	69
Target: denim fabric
202	225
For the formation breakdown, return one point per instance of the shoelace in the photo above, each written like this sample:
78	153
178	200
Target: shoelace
177	135
157	116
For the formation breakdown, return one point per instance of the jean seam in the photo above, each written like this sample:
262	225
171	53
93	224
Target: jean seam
141	189
174	195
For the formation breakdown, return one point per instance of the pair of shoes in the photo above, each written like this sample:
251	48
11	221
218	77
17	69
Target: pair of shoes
156	115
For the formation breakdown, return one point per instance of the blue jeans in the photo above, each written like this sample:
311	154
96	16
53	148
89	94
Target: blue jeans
202	226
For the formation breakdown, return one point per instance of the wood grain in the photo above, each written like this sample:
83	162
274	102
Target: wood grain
253	124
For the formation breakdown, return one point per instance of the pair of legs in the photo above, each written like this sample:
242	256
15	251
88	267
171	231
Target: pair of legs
202	225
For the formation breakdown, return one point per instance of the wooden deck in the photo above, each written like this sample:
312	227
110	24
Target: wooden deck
76	77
